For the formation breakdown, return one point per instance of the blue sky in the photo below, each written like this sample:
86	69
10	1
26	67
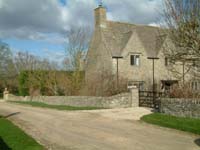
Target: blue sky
41	48
40	26
63	2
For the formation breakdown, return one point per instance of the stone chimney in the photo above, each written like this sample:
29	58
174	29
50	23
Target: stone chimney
100	16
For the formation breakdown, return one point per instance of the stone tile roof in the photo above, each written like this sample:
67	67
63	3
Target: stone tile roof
116	41
116	36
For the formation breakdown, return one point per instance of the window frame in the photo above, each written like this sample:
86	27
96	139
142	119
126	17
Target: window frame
195	85
135	60
166	61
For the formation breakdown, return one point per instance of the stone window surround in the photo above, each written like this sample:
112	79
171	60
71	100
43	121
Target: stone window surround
135	60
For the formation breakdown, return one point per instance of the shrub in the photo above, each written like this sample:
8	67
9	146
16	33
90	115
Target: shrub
183	91
23	81
105	84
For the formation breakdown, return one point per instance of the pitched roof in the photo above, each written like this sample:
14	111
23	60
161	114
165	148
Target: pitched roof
116	36
116	41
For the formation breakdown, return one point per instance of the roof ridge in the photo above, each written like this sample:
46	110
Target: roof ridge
141	25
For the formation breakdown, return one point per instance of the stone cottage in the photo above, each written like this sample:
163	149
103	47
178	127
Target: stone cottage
132	45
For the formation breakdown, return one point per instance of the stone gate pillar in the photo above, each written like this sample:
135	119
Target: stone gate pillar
5	94
134	96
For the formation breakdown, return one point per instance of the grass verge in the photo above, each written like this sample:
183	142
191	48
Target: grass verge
179	123
13	138
58	107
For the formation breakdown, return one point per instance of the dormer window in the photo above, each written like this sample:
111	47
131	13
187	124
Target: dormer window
135	60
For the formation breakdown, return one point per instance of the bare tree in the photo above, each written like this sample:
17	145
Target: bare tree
6	63
37	73
182	18
28	62
7	70
78	41
77	45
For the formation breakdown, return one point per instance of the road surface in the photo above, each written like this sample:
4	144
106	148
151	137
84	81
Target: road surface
96	130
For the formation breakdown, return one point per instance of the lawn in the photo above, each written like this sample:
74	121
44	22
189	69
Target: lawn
58	107
179	123
13	138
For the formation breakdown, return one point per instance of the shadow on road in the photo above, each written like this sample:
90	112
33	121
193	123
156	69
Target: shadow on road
10	115
197	141
3	145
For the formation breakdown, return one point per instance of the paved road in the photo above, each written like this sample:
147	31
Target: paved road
96	130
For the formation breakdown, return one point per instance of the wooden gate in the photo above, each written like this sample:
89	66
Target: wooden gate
150	99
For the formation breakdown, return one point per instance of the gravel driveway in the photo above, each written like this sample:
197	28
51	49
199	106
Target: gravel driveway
116	129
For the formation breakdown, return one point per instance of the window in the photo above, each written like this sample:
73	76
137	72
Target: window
166	61
135	60
141	86
169	61
194	85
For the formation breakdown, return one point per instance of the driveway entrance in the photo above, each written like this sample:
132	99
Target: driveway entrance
116	129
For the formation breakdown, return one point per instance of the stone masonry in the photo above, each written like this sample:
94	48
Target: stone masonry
125	40
117	101
181	107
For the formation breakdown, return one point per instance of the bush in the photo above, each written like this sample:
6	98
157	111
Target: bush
23	81
183	91
105	84
11	84
50	83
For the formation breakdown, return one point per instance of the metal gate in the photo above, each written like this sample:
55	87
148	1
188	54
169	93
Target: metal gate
1	95
150	99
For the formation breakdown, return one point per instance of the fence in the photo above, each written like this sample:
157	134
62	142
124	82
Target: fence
150	99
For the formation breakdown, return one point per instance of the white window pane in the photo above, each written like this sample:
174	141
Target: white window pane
137	60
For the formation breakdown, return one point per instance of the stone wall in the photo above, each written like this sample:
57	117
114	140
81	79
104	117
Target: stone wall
181	107
118	101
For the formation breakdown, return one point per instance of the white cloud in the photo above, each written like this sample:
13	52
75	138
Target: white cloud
1	4
38	19
57	56
135	11
153	24
21	18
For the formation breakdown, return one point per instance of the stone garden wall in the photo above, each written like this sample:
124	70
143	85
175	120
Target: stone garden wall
118	101
181	107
